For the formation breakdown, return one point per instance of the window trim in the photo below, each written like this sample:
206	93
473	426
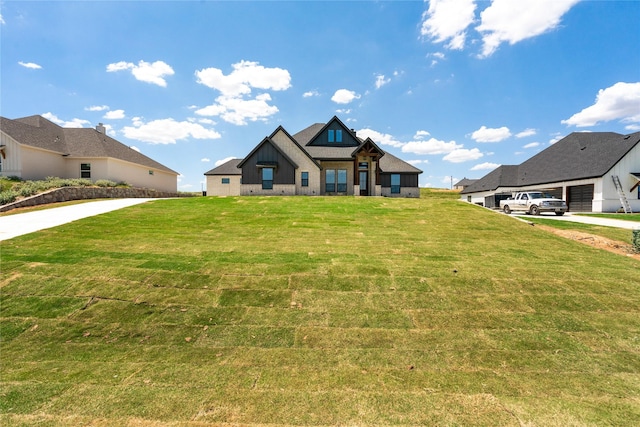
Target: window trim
85	170
226	180
304	179
267	184
395	188
339	181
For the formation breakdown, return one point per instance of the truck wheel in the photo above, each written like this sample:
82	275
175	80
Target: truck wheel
534	210
506	209
559	213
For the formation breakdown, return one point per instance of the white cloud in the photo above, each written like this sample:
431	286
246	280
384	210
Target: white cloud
485	134
513	21
96	108
343	111
417	162
310	93
238	110
379	138
447	20
344	96
525	133
153	73
1	19
133	147
223	161
74	123
205	160
618	102
31	65
463	155
167	131
231	105
421	134
245	76
555	139
381	81
485	166
431	146
532	145
114	115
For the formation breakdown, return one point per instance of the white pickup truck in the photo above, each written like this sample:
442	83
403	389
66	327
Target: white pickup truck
533	202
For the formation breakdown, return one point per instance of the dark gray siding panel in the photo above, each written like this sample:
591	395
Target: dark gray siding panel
406	180
284	173
348	139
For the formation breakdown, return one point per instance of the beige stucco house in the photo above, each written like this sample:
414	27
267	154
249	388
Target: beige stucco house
34	148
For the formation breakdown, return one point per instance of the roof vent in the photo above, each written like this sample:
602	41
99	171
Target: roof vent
100	128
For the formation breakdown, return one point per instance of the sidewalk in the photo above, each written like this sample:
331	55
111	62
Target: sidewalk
607	222
18	224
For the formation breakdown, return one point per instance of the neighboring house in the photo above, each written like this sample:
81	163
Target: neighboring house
593	172
463	183
34	148
224	180
323	159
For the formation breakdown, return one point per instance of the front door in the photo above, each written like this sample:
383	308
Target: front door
364	183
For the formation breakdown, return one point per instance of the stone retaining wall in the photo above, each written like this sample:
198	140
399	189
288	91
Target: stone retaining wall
82	193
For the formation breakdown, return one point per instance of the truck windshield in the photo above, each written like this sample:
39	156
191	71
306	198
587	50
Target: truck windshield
537	195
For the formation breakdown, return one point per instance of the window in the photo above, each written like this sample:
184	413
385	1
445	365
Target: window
395	183
150	172
363	165
330	186
336	181
334	135
267	178
342	180
225	180
305	179
85	170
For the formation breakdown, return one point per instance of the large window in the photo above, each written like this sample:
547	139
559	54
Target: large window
85	170
226	180
336	181
305	179
267	178
395	183
335	135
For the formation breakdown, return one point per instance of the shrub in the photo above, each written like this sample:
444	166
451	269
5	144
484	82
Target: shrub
7	197
106	183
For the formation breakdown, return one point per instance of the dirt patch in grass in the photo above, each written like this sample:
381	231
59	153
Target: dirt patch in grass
595	241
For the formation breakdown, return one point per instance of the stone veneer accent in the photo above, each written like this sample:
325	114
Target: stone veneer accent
82	193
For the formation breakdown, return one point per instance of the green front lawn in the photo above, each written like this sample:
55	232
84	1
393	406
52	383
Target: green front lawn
315	311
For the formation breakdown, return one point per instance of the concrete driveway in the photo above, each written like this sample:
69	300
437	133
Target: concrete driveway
18	224
607	222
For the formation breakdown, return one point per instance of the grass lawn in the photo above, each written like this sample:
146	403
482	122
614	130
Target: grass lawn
315	311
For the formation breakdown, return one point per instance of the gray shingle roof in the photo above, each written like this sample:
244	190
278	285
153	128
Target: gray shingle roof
36	131
391	164
502	176
388	162
227	168
580	155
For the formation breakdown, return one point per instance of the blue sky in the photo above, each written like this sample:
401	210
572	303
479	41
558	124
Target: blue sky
455	87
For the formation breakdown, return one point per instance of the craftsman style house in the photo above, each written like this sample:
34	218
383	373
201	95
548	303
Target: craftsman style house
323	159
592	171
34	148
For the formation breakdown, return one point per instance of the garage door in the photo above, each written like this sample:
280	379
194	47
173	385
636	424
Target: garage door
580	198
